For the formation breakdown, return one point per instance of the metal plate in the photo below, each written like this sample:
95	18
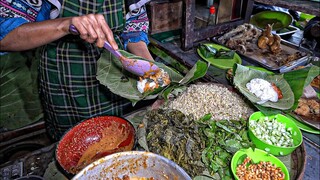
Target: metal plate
137	164
269	60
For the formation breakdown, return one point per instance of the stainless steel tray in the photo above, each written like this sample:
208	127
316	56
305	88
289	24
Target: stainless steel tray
273	62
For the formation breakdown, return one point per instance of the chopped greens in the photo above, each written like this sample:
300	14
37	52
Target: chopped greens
203	148
175	136
272	132
223	138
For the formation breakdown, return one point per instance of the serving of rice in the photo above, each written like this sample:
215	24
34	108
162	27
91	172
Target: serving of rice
201	99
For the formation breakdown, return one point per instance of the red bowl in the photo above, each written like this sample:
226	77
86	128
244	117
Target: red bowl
92	139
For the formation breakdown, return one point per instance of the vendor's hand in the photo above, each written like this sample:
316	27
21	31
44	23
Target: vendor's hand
94	29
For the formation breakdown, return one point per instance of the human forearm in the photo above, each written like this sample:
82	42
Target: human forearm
31	35
140	49
92	28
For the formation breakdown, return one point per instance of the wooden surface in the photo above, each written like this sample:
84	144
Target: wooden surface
164	16
306	6
190	34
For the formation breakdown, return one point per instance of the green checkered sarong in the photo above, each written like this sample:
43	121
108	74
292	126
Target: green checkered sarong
69	88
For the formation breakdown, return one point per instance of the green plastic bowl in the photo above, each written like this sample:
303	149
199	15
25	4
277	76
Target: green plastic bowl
276	150
256	156
279	19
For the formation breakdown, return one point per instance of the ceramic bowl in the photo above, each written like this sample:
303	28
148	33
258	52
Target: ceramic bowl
92	139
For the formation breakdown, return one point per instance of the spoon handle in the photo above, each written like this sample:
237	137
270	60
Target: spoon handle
106	45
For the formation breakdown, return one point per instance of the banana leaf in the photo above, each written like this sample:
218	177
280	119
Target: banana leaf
20	103
110	73
297	80
244	74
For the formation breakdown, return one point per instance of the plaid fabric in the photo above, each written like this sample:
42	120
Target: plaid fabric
69	88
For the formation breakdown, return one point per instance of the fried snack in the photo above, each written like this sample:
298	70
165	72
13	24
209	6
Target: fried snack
269	40
263	170
308	108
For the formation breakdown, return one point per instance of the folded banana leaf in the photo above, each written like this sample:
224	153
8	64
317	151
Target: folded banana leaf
297	80
211	52
111	74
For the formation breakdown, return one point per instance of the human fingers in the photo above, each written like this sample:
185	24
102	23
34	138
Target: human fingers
108	33
86	26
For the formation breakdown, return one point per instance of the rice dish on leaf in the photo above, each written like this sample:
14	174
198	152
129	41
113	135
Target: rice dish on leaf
243	75
111	74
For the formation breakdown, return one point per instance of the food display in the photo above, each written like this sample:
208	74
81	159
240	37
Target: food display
133	165
309	108
264	47
193	129
154	81
264	90
217	100
93	139
276	134
264	170
272	132
270	41
195	145
258	164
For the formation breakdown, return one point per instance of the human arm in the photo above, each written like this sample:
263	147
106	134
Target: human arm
135	35
140	49
92	28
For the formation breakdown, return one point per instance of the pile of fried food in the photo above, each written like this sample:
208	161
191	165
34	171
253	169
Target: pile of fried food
262	170
249	40
241	38
308	108
270	41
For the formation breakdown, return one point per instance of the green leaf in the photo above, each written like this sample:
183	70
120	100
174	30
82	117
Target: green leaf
20	103
207	51
196	72
299	79
110	72
244	74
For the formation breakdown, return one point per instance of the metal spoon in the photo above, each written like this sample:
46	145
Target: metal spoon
135	66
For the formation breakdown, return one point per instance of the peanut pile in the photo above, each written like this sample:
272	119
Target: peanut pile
260	171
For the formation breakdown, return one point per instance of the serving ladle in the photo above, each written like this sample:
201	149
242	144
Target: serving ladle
135	66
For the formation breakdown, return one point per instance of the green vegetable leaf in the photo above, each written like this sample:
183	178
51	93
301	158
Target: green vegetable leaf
207	51
196	72
299	79
110	74
20	102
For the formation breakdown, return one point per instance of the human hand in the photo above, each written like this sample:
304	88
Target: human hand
93	28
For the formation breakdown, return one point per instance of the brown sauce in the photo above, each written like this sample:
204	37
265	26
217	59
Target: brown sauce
114	139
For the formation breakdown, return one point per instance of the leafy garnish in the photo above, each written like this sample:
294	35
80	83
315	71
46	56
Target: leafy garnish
222	139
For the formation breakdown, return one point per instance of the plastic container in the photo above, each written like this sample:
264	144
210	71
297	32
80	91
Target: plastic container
209	3
212	16
256	156
276	150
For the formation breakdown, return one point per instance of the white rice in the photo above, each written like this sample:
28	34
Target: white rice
263	90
